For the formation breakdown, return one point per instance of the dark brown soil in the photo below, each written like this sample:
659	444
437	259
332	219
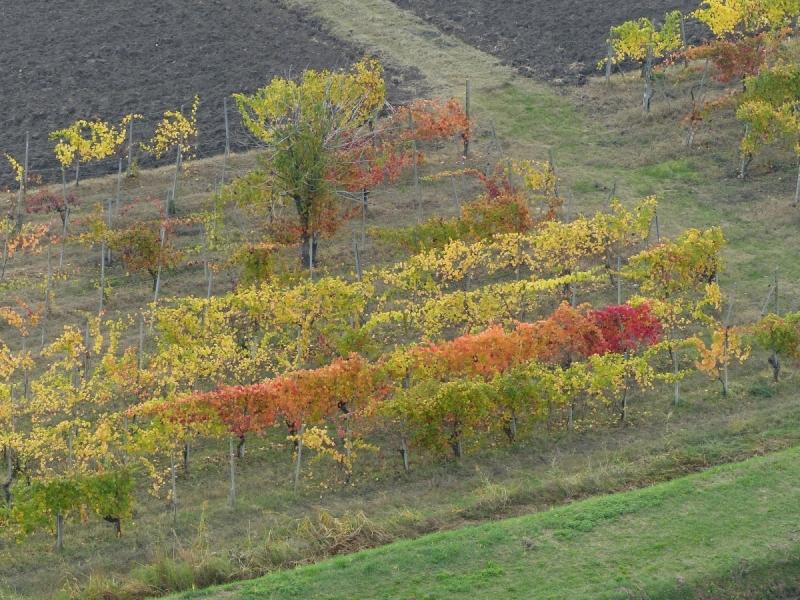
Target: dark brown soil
559	41
65	60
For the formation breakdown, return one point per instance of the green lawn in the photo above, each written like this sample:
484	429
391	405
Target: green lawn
731	531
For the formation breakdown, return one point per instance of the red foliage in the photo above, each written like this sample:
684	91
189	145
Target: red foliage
437	119
45	202
499	188
299	397
563	337
488	216
626	328
483	354
738	58
566	335
363	165
349	385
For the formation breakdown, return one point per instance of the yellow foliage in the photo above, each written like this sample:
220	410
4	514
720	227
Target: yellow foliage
317	439
19	170
349	98
727	17
90	140
631	40
175	129
726	344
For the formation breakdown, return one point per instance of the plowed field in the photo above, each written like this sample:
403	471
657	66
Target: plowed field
62	61
559	41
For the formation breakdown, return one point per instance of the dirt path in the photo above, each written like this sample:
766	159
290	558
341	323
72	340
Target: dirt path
398	35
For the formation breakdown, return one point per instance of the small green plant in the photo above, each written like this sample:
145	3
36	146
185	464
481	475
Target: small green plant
760	390
672	170
135	169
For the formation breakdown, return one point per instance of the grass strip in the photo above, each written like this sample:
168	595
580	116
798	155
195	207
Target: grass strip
731	531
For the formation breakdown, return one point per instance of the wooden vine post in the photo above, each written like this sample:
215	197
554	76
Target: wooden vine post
777	306
227	141
364	200
171	201
683	40
358	259
174	486
163	234
233	474
311	258
299	457
553	170
348	449
745	161
10	454
625	391
119	187
725	343
467	110
676	371
59	531
46	297
102	274
130	147
569	207
690	132
574	290
773	360
417	194
64	237
648	72
797	187
23	183
658	227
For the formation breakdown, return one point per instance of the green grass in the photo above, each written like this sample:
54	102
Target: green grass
681	169
734	526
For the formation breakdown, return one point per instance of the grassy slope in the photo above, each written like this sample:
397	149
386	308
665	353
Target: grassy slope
597	134
722	533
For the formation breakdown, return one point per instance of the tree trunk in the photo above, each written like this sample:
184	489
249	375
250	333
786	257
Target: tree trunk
59	531
9	452
457	449
775	364
510	429
116	522
240	447
404	453
455	442
186	457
